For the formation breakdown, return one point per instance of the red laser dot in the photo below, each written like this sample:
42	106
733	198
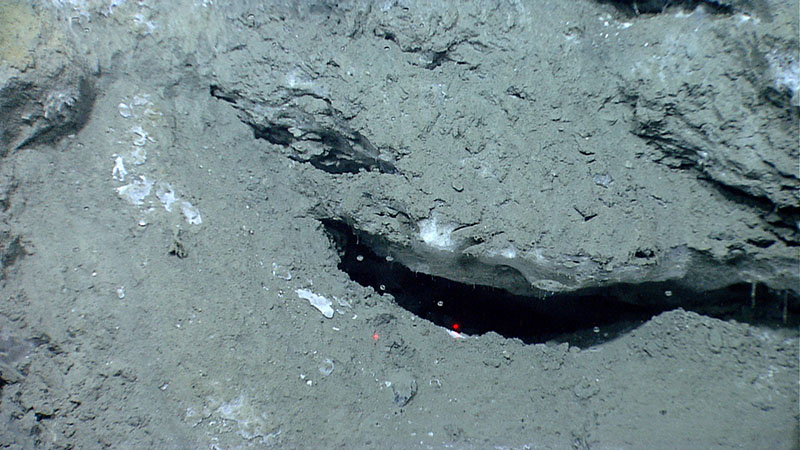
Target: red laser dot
456	326
375	336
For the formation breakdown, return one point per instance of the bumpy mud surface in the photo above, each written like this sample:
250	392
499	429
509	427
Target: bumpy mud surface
258	225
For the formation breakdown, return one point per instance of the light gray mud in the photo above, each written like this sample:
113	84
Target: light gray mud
171	172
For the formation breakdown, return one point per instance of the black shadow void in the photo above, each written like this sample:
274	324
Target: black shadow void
582	318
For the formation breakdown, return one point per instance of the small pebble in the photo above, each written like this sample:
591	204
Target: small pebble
603	179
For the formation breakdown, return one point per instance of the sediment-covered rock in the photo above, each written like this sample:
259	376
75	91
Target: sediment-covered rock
493	146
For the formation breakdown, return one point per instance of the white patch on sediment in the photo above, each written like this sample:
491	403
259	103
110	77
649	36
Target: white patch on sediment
317	301
436	235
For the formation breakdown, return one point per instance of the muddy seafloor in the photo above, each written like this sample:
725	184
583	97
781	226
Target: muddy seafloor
184	195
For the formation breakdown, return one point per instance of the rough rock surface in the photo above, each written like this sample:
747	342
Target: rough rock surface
549	157
153	259
46	89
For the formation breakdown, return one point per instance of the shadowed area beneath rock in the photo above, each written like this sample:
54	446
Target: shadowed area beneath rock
586	317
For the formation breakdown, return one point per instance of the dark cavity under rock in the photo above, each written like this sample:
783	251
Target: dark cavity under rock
312	131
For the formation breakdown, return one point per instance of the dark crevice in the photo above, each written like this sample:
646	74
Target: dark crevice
340	154
436	59
638	7
324	139
389	36
278	135
218	92
39	416
11	250
761	243
582	318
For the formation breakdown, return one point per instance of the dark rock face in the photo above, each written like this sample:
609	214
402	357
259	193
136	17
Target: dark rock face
312	131
542	157
637	7
45	104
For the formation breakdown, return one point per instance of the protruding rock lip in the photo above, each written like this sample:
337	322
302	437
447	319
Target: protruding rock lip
537	273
